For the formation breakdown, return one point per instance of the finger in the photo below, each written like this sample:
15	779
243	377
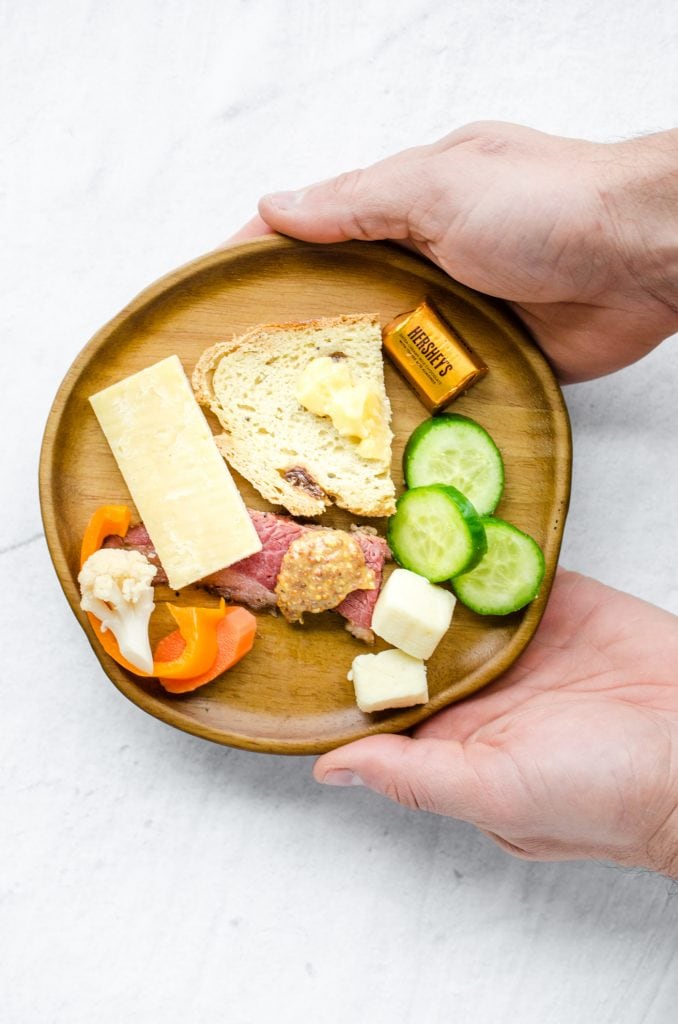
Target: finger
255	228
379	202
422	774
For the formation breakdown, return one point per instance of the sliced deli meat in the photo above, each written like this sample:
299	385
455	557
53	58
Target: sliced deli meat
357	607
137	539
253	580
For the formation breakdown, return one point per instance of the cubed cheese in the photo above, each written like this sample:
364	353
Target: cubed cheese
389	679
180	484
412	614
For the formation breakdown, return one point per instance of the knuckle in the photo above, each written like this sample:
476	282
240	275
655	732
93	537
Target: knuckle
401	791
368	206
486	137
488	141
521	852
365	224
486	128
346	185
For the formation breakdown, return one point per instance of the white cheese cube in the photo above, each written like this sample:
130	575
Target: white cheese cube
412	614
180	484
389	679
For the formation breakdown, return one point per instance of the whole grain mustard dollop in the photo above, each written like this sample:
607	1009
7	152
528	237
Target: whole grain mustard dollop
318	571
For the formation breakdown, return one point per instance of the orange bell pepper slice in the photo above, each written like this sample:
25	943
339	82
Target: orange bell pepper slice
198	628
235	637
107	520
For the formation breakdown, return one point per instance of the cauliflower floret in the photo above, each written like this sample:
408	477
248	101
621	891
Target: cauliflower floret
116	586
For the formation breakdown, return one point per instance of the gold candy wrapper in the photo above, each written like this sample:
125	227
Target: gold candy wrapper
431	355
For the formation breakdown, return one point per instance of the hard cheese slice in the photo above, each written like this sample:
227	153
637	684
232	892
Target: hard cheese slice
180	484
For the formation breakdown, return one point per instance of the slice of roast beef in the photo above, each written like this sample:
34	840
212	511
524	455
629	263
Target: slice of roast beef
252	580
357	607
137	539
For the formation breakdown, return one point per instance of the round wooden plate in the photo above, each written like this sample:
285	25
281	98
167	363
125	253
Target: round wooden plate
290	694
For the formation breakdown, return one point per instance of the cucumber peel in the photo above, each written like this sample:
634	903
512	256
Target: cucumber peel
455	450
507	577
436	532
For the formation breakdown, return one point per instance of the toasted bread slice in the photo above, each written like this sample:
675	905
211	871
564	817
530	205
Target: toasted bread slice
293	457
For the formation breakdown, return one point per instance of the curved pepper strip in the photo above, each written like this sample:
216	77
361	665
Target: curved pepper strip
198	626
107	520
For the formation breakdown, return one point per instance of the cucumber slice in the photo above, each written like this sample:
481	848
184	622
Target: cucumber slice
508	576
436	532
455	450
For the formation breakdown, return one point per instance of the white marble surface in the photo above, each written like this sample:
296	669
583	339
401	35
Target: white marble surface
149	876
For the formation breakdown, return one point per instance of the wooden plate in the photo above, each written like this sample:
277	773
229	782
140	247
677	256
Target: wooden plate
290	694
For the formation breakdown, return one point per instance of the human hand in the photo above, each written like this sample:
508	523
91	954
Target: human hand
570	753
580	237
573	753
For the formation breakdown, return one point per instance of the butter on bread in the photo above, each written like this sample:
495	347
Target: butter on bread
292	456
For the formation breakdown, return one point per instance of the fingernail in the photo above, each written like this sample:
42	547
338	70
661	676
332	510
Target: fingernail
284	200
341	777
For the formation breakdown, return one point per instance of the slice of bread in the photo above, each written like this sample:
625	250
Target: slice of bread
293	457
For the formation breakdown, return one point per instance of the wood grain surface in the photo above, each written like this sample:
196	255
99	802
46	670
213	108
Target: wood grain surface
290	694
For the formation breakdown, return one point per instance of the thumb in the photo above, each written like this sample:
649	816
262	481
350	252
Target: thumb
422	774
369	204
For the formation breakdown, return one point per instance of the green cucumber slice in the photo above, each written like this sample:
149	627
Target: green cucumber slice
455	450
507	577
436	532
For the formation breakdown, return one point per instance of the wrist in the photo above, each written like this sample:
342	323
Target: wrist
642	199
